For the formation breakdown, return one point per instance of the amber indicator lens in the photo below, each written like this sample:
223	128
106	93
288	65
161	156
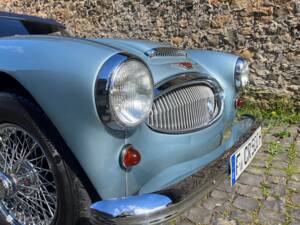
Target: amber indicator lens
239	103
130	157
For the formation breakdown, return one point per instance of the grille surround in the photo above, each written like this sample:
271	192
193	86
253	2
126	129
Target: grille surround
182	108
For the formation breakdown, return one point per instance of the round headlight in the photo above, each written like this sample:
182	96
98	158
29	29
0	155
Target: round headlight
241	73
131	93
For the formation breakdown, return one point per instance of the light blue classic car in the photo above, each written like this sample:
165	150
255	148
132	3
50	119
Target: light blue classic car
113	131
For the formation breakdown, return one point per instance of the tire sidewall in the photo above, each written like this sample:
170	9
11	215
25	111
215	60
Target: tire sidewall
16	110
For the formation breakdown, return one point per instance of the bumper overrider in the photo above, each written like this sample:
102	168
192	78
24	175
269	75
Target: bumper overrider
167	204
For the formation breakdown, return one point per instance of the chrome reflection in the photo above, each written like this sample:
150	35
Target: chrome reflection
27	186
185	103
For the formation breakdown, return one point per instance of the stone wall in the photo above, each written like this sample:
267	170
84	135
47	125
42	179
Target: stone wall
267	32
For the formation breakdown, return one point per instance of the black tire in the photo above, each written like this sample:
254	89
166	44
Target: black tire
72	198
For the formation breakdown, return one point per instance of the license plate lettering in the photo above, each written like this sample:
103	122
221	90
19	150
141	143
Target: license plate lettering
244	155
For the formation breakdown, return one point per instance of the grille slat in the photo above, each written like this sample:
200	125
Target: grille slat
184	109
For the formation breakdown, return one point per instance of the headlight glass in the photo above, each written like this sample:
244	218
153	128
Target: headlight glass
241	73
131	93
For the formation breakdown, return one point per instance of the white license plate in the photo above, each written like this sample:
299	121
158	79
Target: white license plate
244	155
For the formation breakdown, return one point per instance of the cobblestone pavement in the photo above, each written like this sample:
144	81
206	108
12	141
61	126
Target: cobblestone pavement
268	192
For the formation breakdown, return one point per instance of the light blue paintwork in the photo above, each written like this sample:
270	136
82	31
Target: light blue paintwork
60	73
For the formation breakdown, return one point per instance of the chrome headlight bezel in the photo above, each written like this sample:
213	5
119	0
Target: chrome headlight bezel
107	90
241	74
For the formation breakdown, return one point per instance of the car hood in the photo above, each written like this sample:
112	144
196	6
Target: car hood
135	45
162	67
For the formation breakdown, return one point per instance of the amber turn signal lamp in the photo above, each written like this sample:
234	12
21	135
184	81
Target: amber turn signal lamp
130	157
239	103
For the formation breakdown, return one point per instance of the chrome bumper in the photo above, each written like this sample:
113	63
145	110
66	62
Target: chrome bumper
171	202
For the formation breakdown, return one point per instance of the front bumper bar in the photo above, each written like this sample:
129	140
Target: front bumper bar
182	195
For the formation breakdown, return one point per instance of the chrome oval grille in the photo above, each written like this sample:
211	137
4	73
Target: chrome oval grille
184	109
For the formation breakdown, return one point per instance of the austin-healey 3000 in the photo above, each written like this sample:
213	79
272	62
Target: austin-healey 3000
114	131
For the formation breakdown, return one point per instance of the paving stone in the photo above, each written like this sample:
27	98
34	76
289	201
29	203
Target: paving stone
275	205
258	163
241	216
225	208
279	164
295	213
277	172
296	177
281	157
276	180
277	189
293	129
251	179
221	221
199	215
270	137
250	191
262	155
285	142
294	185
296	198
245	203
278	129
295	222
255	170
212	203
219	194
297	161
266	216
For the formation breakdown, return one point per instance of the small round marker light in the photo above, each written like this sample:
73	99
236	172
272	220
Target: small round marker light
239	103
130	157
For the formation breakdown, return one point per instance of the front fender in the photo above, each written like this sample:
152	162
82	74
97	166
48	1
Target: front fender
221	66
60	74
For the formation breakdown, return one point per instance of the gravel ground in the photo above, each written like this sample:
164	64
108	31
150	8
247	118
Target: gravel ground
268	192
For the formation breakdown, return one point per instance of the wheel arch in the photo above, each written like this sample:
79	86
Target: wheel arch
9	84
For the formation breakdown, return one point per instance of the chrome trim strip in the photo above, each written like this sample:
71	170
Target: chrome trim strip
102	90
102	87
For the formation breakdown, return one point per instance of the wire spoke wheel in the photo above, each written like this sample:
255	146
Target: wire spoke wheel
28	193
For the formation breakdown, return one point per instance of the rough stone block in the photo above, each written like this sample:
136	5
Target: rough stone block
275	205
296	199
266	216
241	216
245	203
219	194
294	185
250	179
199	215
250	191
